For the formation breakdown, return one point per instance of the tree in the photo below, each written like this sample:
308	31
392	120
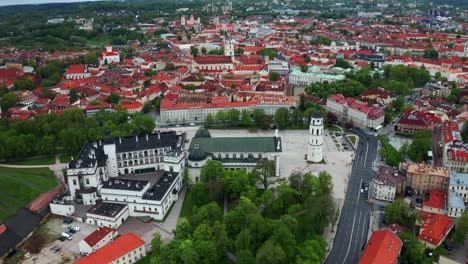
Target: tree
274	76
194	51
147	83
213	171
143	123
9	100
342	64
113	98
245	118
270	253
461	229
257	115
282	117
238	183
245	257
91	58
186	177
420	145
203	50
304	68
156	244
24	84
73	94
221	116
400	212
209	120
264	170
431	54
233	117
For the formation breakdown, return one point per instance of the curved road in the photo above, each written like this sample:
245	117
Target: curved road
351	235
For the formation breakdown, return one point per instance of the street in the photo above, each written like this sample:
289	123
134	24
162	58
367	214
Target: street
351	235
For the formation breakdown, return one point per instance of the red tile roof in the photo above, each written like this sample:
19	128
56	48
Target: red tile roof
435	228
383	248
419	118
76	69
437	199
114	250
372	112
98	235
213	59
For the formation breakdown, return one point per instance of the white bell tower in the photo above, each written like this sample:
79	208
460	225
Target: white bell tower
229	48
315	143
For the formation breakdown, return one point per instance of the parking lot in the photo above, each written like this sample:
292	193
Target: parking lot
69	250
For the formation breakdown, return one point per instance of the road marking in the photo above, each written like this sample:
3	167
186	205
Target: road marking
354	221
367	150
365	231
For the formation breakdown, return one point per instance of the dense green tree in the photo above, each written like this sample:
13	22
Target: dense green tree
233	117
24	84
420	145
143	123
213	171
264	170
245	119
257	115
237	183
342	64
209	120
282	117
461	229
400	212
113	98
270	253
221	116
9	100
274	76
74	96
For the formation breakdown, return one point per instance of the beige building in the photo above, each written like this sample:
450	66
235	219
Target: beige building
422	177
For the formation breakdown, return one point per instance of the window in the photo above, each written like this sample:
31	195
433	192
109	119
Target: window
74	182
87	181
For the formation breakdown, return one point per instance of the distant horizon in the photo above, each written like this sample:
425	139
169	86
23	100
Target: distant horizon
39	2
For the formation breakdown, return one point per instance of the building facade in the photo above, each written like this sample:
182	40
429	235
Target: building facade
387	183
359	114
137	175
126	249
422	177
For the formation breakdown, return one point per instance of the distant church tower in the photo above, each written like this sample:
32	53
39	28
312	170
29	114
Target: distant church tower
229	48
315	144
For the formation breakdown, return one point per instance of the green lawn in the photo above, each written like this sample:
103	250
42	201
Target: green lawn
20	186
187	206
334	128
40	161
352	139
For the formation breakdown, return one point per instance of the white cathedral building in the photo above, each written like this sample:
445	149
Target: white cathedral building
114	178
315	143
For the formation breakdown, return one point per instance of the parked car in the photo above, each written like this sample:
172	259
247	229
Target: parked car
61	238
55	249
68	220
67	235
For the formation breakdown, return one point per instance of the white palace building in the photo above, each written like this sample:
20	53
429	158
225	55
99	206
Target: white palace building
115	178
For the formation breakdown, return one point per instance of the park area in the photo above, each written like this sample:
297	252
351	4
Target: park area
20	186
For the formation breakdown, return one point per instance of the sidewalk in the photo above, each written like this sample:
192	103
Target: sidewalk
328	235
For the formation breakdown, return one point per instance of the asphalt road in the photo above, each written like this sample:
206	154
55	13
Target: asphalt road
353	227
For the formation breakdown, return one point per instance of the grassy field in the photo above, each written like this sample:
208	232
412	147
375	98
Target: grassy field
20	186
187	206
40	161
352	139
334	128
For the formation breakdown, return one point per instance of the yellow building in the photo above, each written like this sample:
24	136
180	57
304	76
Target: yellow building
422	177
